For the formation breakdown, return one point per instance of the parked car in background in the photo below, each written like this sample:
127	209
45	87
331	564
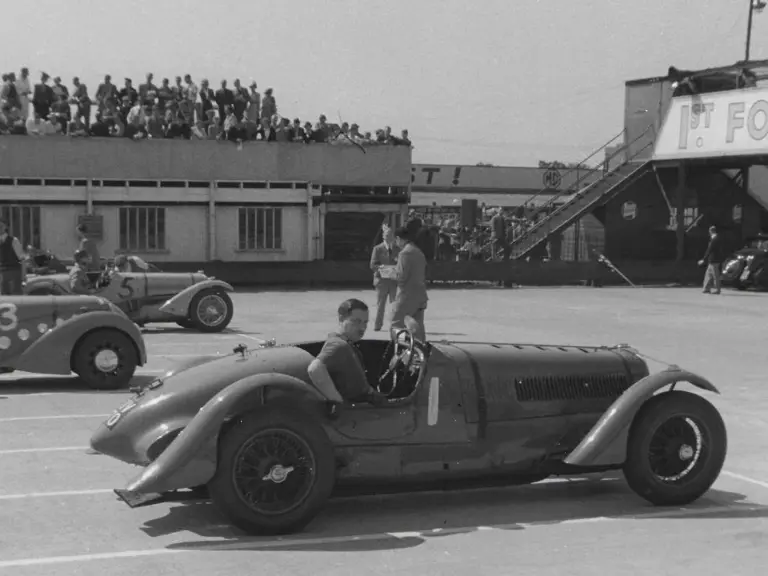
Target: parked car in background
190	299
748	267
86	335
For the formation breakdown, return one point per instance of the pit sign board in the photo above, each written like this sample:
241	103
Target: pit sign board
731	123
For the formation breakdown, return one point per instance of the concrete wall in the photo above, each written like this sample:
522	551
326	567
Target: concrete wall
122	158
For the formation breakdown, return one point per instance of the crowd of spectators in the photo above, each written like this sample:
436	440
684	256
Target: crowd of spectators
182	110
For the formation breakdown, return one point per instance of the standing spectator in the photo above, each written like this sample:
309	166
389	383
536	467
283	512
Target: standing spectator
88	245
13	94
384	254
499	235
713	259
148	91
42	97
164	94
309	133
253	114
322	132
190	93
83	102
106	94
268	109
224	99
24	91
241	100
354	134
59	89
411	276
6	93
404	139
127	98
207	99
12	263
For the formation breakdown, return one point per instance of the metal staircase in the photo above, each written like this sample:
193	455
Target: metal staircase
563	209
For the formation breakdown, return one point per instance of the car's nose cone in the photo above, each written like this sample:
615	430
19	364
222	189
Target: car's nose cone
106	441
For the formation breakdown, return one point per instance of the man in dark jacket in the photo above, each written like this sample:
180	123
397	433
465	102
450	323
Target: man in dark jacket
713	259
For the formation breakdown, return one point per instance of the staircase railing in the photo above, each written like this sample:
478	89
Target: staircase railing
579	193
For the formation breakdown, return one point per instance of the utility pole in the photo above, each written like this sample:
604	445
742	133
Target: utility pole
754	6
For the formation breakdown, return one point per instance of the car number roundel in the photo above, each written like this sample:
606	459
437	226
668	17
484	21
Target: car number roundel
119	413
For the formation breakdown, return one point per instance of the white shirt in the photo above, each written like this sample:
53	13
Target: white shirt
23	88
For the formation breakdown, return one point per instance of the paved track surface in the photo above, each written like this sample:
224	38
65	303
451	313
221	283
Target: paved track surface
58	515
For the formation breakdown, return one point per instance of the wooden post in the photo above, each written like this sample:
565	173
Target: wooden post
680	197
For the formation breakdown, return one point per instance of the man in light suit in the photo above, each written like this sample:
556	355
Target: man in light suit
384	254
411	274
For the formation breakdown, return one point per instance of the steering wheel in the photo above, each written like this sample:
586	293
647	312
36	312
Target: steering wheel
402	357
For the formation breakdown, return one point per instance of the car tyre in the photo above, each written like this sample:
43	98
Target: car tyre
309	457
676	449
218	298
105	359
186	323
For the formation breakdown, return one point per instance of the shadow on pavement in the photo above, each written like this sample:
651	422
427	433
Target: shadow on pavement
408	520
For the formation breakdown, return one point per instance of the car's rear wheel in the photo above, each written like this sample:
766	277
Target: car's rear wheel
211	310
105	359
676	449
275	472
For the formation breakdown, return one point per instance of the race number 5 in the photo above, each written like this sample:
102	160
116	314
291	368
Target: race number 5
126	290
8	319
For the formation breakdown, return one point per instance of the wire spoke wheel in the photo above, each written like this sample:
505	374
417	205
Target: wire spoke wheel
212	310
676	449
274	472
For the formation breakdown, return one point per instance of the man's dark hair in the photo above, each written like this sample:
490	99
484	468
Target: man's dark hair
79	254
404	233
348	306
82	228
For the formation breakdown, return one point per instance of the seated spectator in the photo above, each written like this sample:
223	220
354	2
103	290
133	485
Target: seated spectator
233	129
297	133
136	122
155	123
61	113
308	132
77	127
354	134
37	126
101	127
282	130
212	124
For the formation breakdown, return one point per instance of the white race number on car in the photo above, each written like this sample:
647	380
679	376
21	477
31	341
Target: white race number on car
119	413
8	318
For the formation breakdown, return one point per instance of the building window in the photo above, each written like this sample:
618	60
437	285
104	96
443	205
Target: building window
260	228
24	223
142	228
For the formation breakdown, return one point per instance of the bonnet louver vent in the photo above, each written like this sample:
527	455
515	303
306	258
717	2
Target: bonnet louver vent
552	388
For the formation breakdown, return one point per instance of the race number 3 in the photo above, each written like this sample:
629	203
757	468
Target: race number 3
8	319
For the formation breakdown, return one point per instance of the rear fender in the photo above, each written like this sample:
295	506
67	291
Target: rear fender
606	443
179	304
47	284
192	457
52	352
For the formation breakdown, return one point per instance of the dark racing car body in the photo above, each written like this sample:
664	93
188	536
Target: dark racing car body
748	267
252	428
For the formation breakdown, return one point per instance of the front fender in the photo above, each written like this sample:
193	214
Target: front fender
43	283
191	458
179	304
52	352
606	443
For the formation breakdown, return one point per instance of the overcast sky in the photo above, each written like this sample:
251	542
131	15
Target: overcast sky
502	81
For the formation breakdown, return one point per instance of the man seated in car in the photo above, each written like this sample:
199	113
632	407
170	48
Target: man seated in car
338	371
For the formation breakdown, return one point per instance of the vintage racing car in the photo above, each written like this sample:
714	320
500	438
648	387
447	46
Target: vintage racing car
192	300
748	267
269	447
86	335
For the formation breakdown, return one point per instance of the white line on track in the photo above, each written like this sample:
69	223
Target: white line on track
271	544
55	494
33	450
53	417
747	479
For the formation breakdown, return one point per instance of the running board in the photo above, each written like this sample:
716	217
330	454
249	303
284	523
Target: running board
138	500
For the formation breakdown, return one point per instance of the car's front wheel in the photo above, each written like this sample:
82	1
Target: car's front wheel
105	359
676	449
211	310
275	472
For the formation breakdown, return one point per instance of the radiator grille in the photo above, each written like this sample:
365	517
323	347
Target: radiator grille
551	388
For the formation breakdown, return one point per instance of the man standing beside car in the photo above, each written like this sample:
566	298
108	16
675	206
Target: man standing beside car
411	277
88	245
78	274
384	254
713	259
13	267
339	371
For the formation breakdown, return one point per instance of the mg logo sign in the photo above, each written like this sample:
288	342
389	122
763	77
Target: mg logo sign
552	179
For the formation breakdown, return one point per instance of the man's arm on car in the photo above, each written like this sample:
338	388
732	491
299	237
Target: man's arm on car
318	373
